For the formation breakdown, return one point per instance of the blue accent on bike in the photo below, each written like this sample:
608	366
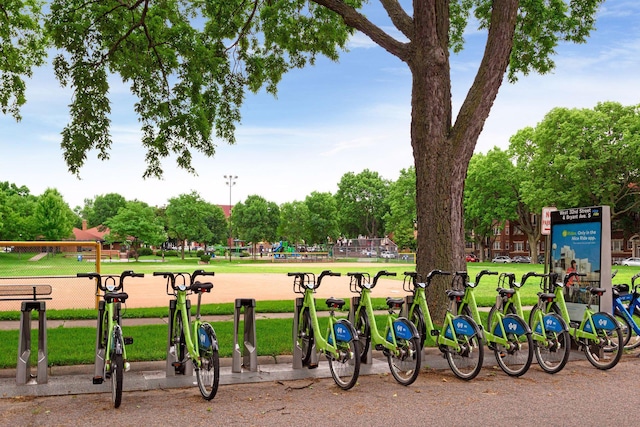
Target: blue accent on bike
342	332
461	326
551	324
402	330
203	338
601	321
511	326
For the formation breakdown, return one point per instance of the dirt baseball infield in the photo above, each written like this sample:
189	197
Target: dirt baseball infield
150	291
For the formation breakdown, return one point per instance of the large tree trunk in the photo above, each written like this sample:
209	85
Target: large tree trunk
441	150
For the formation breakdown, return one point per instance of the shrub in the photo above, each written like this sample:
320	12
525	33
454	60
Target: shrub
205	258
200	253
145	251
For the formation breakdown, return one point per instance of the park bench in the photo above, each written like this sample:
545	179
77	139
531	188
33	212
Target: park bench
33	298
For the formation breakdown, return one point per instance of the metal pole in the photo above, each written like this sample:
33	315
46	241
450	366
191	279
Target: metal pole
230	182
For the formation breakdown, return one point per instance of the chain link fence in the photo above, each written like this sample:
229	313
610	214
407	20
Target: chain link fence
51	263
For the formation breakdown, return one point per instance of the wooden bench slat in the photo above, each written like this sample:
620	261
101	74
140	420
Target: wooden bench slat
32	291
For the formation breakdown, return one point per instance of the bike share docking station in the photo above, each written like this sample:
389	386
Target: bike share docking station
36	302
247	356
297	350
174	365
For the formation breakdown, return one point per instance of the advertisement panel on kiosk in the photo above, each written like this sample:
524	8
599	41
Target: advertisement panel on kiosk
581	240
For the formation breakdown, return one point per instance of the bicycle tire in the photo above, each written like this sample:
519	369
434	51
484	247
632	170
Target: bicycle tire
117	369
466	363
346	368
514	358
625	328
305	336
417	318
552	354
606	353
632	339
179	344
363	329
208	373
405	367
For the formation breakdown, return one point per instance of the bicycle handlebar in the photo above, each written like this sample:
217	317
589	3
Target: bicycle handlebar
308	280
172	277
531	274
406	285
102	285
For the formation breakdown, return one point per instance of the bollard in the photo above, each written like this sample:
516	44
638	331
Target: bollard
247	356
23	375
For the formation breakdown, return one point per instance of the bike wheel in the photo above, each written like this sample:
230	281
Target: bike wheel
514	357
553	352
305	336
117	369
605	352
467	361
364	334
417	318
346	367
625	328
179	344
208	374
634	338
405	366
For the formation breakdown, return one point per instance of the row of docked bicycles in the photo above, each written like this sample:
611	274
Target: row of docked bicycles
401	335
461	338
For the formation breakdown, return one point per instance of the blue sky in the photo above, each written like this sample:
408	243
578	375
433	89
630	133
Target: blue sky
327	120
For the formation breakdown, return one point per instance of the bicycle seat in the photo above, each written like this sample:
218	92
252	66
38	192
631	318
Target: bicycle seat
506	292
201	287
621	289
115	297
395	302
335	302
546	297
452	294
597	291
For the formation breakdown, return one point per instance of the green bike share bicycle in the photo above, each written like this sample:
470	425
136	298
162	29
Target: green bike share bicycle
111	354
399	339
508	335
459	340
182	331
598	334
339	344
549	331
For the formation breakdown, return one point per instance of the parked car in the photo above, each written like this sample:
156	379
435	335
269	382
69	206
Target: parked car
501	258
387	254
521	259
633	261
472	258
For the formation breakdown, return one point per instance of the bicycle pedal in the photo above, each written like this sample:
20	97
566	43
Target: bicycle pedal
98	380
312	365
128	340
379	347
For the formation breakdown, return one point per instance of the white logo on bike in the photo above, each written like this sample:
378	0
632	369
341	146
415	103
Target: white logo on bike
512	326
603	322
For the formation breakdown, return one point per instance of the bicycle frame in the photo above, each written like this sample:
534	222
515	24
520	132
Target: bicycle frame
626	304
586	330
322	343
469	300
420	300
539	333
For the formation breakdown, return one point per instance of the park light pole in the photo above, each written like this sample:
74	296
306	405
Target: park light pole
230	181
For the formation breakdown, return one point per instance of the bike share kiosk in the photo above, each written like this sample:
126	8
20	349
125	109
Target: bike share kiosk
247	356
32	299
581	241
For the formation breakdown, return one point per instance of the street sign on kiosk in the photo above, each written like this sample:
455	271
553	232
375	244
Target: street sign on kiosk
583	235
